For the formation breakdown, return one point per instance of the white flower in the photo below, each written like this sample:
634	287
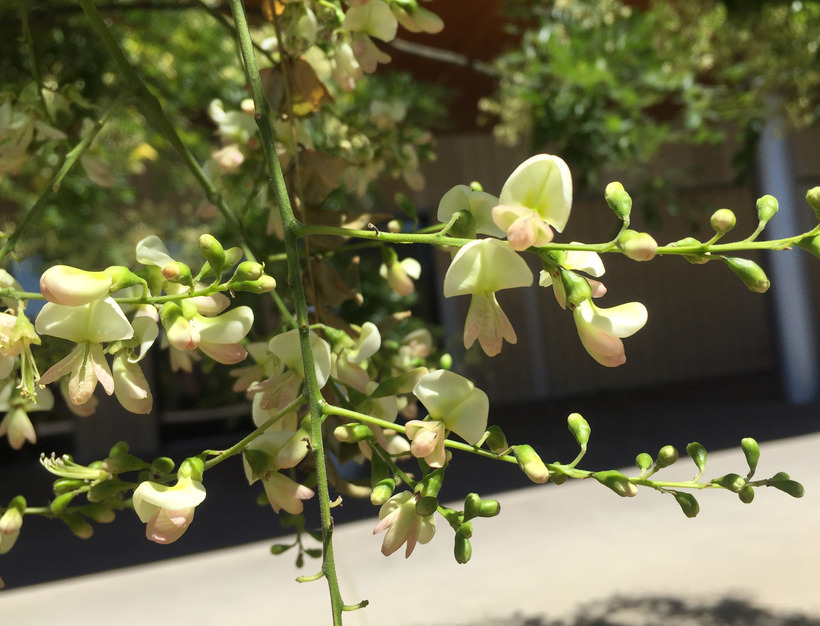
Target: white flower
601	330
167	511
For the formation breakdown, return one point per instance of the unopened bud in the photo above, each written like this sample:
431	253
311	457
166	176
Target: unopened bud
813	198
637	246
752	452
446	361
767	206
576	287
496	441
791	487
466	529
462	549
472	506
193	468
394	226
531	464
64	485
643	461
722	221
688	504
689	242
10	524
178	273
732	482
617	482
698	454
233	256
59	504
579	427
121	447
382	491
247	271
213	252
78	525
163	465
747	494
352	433
71	286
811	244
489	508
618	200
750	273
667	456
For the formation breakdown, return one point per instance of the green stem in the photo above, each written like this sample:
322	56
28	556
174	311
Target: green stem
54	186
290	224
35	67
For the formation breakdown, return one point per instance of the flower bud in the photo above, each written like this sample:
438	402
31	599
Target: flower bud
193	468
71	286
59	504
813	198
531	464
780	476
64	485
162	465
732	482
233	256
462	549
178	273
426	505
637	246
791	487
576	287
722	221
121	447
750	273
698	454
752	452
213	252
382	491
10	524
496	441
247	271
667	456
767	206
489	508
618	200
466	529
446	361
579	427
811	244
394	226
353	433
688	504
747	494
78	525
617	482
472	506
688	242
643	461
100	513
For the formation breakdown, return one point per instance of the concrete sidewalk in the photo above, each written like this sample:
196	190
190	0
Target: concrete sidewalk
551	551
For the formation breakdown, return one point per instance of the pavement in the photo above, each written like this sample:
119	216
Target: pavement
568	555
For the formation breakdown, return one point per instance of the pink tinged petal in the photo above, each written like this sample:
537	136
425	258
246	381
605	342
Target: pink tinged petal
131	387
102	372
211	305
225	353
62	367
182	335
151	251
427	441
484	266
284	493
523	226
149	496
542	183
18	427
398	516
71	286
488	323
606	349
600	329
166	526
230	327
623	320
456	402
598	288
478	203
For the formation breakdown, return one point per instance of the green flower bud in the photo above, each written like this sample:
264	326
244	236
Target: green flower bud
78	525
732	482
489	508
643	461
426	505
667	456
382	491
637	246
780	476
722	221
446	361
767	206
163	465
476	186
813	198
263	284
59	504
698	454
531	464
689	242
247	271
462	549
466	529
177	273
472	506
353	433
580	429
811	244
394	226
747	494
193	468
496	441
123	463
618	200
752	452
431	484
617	482
233	256
688	504
213	252
576	287
100	513
121	447
64	485
107	489
750	273
121	277
791	487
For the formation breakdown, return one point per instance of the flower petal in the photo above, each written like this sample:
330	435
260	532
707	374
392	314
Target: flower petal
483	266
542	183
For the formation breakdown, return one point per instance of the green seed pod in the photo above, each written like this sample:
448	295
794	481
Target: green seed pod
382	491
698	454
752	452
576	287
618	200
558	479
732	482
580	429
750	273
813	198
107	489
466	529
531	464
213	252
489	508
78	525
462	549
667	456
472	506
723	221
426	505
353	433
791	487
617	482
59	504
688	504
747	494
643	461
811	244
496	441
767	206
